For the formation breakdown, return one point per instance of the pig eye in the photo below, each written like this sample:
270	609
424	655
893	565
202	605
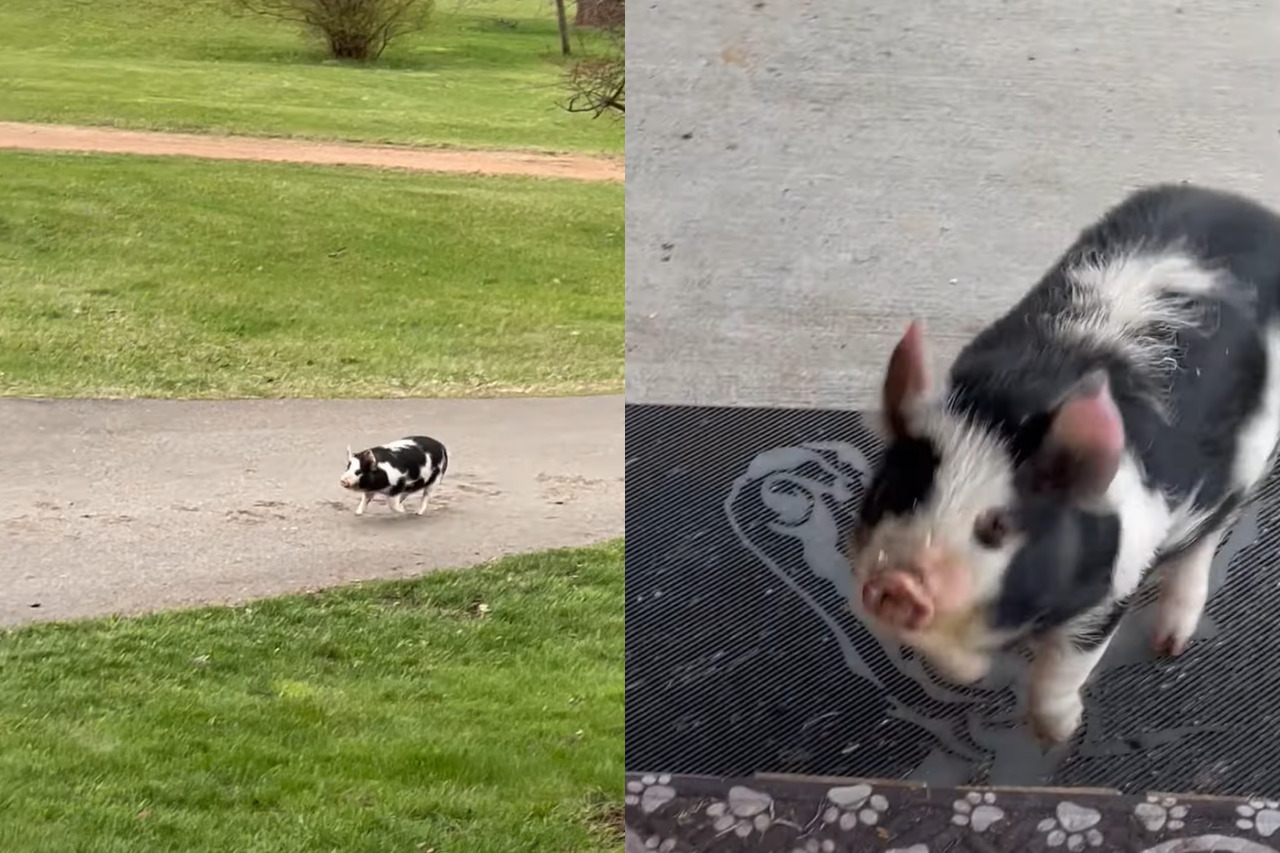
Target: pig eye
991	528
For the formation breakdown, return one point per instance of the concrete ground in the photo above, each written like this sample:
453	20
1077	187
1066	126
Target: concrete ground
130	506
804	177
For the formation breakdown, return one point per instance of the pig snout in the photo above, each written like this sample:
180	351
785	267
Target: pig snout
899	600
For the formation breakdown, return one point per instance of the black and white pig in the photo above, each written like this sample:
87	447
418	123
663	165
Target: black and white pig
413	464
1114	421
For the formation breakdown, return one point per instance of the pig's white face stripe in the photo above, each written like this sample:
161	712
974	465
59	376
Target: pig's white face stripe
975	467
975	474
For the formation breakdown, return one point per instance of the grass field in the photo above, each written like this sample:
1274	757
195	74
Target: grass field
153	277
484	75
465	712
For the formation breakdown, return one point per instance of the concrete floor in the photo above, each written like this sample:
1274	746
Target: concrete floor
803	177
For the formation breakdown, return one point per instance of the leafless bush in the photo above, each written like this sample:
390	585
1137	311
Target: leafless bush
598	84
604	14
352	29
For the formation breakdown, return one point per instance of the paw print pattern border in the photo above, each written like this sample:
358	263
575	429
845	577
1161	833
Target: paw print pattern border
670	813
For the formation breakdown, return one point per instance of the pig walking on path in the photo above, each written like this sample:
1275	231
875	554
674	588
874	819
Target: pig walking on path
228	501
413	464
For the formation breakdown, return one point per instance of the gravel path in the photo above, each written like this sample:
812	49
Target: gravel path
47	137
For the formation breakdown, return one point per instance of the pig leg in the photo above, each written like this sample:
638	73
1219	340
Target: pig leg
1064	659
397	503
1183	589
364	502
426	496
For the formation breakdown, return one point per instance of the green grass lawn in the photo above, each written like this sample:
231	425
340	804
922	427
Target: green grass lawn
165	277
485	75
478	711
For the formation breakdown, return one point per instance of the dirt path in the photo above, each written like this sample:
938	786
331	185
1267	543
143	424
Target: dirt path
49	137
144	505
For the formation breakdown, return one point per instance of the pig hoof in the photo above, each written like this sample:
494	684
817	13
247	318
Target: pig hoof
1055	725
1169	645
1174	627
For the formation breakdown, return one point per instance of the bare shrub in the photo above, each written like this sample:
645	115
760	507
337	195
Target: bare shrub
598	84
603	14
352	29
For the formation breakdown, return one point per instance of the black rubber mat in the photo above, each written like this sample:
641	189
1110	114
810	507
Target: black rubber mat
742	658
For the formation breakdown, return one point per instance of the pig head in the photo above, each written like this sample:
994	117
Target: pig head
964	544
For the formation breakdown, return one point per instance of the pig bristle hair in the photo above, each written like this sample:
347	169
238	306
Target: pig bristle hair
1136	302
974	470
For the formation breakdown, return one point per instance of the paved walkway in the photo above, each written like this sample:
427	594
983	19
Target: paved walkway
128	506
48	137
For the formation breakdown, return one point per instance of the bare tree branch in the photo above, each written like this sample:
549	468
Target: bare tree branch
598	84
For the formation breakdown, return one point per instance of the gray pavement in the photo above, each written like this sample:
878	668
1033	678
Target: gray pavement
129	506
803	177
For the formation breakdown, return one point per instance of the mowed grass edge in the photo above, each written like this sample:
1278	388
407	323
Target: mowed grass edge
475	711
483	75
130	276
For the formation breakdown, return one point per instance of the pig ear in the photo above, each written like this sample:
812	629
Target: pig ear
907	379
1084	443
349	453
